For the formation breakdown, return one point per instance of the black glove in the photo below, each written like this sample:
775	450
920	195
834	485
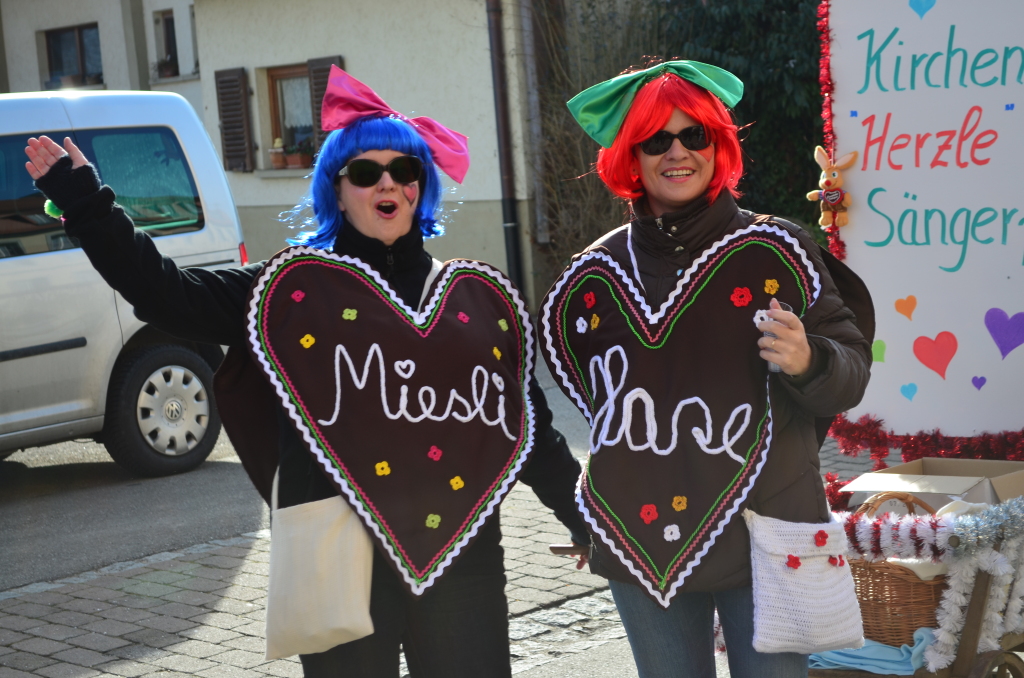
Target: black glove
65	186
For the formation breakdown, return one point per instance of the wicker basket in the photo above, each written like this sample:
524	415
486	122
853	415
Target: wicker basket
894	602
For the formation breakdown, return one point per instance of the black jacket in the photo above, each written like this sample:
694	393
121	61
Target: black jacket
790	485
209	306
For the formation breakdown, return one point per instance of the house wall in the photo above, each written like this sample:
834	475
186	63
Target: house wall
436	63
186	83
4	81
25	24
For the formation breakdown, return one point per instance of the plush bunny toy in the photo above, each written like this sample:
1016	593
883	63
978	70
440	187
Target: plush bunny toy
833	198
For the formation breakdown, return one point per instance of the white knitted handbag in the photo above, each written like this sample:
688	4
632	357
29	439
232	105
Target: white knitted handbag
804	596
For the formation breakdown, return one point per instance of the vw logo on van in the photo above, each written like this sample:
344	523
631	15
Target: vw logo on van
173	410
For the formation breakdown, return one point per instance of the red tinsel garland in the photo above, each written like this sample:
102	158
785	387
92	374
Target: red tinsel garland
837	499
835	244
868	433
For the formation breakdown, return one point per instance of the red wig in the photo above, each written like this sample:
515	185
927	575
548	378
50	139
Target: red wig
650	111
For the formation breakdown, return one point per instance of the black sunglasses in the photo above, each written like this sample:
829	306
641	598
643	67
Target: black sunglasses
693	138
364	172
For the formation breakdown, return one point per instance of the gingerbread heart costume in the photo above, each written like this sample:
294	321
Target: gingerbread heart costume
422	419
677	398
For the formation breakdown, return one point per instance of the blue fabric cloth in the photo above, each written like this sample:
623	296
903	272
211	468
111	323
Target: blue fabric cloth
679	642
877	658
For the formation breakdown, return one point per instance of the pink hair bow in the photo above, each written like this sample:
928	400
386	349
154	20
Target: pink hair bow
347	100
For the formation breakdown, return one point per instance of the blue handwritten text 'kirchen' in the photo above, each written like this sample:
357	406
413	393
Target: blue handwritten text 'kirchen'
890	70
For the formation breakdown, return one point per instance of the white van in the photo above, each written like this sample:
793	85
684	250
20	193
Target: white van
75	362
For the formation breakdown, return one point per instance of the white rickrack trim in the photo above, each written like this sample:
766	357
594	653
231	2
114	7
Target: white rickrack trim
548	322
664	599
450	267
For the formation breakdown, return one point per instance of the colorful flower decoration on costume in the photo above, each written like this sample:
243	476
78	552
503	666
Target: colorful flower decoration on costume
457	483
590	299
463	317
433	520
820	538
648	513
298	295
382	468
581	325
503	324
349	314
741	296
594	321
671	532
771	286
679	503
793	561
761	317
496	352
435	453
307	341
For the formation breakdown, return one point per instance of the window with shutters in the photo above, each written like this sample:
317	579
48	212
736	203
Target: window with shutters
291	113
295	94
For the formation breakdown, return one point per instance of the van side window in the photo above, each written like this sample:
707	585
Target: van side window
24	227
145	166
148	171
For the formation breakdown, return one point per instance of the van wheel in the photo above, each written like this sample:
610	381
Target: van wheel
161	418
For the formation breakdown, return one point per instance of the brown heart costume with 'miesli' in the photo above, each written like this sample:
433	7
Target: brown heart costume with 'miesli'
677	397
421	419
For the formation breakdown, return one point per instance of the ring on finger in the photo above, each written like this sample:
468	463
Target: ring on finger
772	347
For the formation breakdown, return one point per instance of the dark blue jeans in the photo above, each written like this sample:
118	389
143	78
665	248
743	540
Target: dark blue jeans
458	629
679	641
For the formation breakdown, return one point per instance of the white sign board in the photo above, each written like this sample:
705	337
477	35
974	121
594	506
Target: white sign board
930	93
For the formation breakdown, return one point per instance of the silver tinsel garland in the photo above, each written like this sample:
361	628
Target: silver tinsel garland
982	530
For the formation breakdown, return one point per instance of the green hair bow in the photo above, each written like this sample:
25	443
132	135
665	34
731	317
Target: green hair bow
601	109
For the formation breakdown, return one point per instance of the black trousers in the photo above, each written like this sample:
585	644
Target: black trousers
457	629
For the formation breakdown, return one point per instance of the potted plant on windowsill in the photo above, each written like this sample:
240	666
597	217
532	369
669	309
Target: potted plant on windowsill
300	155
277	159
167	67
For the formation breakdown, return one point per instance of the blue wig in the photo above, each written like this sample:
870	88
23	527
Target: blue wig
366	134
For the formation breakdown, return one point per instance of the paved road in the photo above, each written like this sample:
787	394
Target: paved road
117	576
68	508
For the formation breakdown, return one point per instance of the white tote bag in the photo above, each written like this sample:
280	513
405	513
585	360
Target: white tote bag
804	595
321	567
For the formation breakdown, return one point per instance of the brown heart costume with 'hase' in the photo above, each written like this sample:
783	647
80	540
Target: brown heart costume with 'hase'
421	419
677	399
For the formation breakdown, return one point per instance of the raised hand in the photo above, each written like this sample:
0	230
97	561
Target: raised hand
43	153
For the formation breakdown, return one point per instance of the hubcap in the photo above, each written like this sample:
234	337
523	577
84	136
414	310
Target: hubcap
173	410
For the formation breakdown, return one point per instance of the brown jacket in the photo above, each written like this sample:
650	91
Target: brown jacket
790	485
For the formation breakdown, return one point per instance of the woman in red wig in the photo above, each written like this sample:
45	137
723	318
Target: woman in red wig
706	397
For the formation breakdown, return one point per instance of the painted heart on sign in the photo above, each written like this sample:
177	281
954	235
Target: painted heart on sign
936	353
908	391
906	306
921	7
878	351
460	387
680	418
1007	332
978	382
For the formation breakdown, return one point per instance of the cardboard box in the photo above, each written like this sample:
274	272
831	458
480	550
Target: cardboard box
939	481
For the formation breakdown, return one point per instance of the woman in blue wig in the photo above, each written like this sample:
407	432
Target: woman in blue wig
708	400
376	195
